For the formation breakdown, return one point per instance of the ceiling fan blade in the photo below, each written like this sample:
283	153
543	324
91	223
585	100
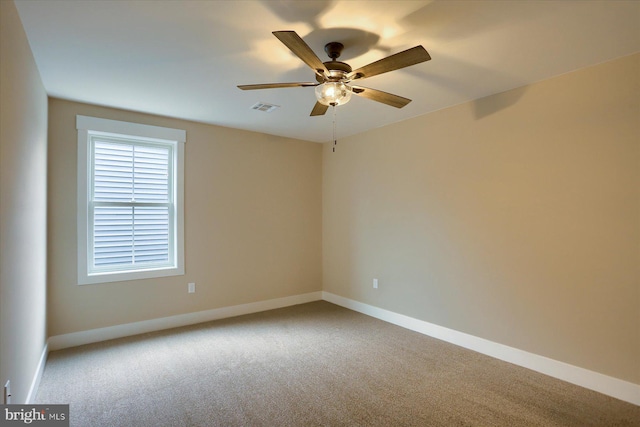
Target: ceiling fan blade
380	96
403	59
276	85
319	109
302	50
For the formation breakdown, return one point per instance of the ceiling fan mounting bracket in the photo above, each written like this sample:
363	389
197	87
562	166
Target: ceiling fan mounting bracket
333	49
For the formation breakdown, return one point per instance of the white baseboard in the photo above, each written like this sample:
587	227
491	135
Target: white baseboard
35	383
601	383
74	339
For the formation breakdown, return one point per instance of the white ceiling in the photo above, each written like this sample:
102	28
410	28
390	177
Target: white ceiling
184	58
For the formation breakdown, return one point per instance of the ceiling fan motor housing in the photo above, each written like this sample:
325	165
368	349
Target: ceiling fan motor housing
337	69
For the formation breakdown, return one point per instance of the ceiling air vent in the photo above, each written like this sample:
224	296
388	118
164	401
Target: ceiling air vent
267	108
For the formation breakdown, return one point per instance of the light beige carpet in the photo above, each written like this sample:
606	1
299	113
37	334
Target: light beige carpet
314	364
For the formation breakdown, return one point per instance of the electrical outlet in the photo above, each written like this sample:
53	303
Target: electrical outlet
192	288
375	283
7	393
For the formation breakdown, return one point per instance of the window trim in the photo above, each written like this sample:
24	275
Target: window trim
87	126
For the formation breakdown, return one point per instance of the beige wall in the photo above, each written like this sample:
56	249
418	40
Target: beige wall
23	203
515	218
252	225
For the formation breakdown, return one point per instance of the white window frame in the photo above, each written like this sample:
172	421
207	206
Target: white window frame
88	126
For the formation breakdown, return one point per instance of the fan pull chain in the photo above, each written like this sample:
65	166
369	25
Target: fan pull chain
335	140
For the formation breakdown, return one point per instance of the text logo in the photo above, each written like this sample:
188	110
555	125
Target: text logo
34	415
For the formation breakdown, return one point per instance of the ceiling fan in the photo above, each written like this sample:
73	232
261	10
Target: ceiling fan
334	79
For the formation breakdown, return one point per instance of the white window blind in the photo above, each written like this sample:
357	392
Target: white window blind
132	204
130	209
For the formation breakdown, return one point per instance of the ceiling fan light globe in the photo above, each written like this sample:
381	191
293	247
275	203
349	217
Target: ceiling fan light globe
333	93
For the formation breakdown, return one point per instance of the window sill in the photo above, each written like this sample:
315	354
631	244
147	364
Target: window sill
97	278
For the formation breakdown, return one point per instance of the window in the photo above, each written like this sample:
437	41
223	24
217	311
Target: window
130	201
